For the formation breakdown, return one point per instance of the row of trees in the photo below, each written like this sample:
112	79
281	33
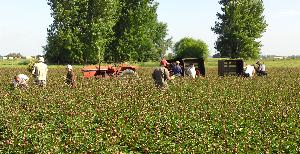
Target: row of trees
89	31
14	54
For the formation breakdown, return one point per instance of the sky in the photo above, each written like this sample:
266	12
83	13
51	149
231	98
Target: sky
24	23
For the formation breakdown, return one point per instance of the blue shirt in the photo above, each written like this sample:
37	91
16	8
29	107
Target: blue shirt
177	70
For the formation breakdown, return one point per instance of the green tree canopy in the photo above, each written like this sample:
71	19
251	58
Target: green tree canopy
138	36
191	48
240	25
91	31
80	30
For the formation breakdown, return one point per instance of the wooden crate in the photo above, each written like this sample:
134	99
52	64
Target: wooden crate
230	67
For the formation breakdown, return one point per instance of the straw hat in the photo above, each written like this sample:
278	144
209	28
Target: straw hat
41	59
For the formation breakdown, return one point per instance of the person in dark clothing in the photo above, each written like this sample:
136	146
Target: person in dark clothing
177	69
261	70
160	75
71	77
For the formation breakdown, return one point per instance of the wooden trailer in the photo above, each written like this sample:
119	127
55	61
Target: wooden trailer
230	67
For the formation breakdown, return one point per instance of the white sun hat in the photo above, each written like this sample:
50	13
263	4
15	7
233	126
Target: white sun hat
41	59
69	67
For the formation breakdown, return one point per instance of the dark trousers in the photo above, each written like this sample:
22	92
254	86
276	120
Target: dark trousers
246	75
262	73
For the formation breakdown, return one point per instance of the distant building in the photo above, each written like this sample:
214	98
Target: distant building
273	57
280	57
294	56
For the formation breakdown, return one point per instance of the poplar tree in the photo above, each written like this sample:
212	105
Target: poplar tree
92	31
138	35
239	27
80	30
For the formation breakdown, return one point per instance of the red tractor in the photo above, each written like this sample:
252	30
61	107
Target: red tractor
107	71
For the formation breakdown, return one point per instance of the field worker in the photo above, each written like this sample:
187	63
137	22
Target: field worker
39	71
177	71
249	71
164	61
191	71
20	81
161	75
261	70
71	77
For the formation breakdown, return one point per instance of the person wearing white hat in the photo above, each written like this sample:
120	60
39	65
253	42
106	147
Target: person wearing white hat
71	77
39	71
177	70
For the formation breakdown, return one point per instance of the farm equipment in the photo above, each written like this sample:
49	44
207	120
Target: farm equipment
231	67
185	62
107	71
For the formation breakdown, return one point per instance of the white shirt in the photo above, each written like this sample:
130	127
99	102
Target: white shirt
23	77
191	72
250	70
262	67
22	80
40	71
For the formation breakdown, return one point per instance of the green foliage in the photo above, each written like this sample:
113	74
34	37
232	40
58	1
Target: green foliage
24	62
89	31
102	16
31	64
170	56
205	115
138	36
239	27
191	48
80	30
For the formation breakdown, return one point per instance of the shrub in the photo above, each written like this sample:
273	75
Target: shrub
191	48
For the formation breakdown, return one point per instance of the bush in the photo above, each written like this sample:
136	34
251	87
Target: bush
30	65
191	48
24	62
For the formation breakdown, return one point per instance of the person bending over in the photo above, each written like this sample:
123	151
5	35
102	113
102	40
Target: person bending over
20	81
